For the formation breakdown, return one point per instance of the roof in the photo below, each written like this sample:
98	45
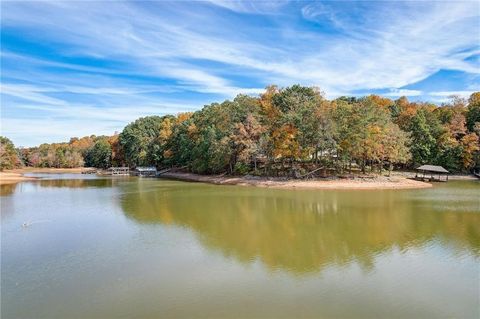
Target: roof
432	168
146	169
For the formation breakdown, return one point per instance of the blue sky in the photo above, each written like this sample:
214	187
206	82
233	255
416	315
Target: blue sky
75	68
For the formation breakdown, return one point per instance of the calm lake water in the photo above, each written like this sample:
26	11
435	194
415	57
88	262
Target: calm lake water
150	248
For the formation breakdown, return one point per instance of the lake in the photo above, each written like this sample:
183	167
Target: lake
77	246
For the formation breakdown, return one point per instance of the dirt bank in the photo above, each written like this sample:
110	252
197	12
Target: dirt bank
374	183
10	178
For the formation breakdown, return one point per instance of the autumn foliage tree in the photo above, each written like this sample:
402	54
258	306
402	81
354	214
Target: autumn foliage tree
9	157
284	131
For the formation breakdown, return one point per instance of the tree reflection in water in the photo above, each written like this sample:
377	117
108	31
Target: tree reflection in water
76	183
304	231
8	189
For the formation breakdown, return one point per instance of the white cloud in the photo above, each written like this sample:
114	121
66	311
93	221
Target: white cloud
402	92
317	11
389	45
40	118
399	47
451	93
445	96
255	7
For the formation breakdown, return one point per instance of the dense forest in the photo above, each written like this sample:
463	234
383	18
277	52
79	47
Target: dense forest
284	131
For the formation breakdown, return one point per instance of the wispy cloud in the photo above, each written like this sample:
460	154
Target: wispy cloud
117	54
252	7
402	92
55	120
451	93
445	96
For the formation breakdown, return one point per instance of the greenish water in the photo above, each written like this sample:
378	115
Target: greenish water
148	248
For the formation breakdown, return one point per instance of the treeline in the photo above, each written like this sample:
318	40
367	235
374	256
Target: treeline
90	151
286	131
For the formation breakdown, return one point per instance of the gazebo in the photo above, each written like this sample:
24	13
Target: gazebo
432	170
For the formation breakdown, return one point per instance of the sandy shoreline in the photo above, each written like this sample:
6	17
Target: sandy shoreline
16	175
398	180
11	178
378	183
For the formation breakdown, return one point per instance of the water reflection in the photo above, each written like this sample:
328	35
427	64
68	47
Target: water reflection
8	189
303	231
50	181
109	252
75	183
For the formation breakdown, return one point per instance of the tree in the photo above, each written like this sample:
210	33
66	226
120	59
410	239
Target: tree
246	141
402	112
82	144
181	143
473	111
326	133
100	155
143	141
294	128
9	157
449	152
360	131
470	145
210	153
395	144
423	142
294	97
270	116
118	156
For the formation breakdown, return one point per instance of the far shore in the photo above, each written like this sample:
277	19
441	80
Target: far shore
49	170
17	175
397	182
12	178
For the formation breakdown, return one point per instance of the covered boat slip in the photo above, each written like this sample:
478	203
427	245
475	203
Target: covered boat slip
476	173
149	171
145	171
432	173
124	170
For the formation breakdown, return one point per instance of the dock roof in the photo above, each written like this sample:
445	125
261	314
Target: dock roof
146	168
432	168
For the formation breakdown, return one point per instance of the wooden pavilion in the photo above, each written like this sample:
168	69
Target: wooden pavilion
432	170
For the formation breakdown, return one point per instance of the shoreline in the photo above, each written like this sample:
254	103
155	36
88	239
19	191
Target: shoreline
451	177
48	170
398	180
16	175
353	184
12	178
